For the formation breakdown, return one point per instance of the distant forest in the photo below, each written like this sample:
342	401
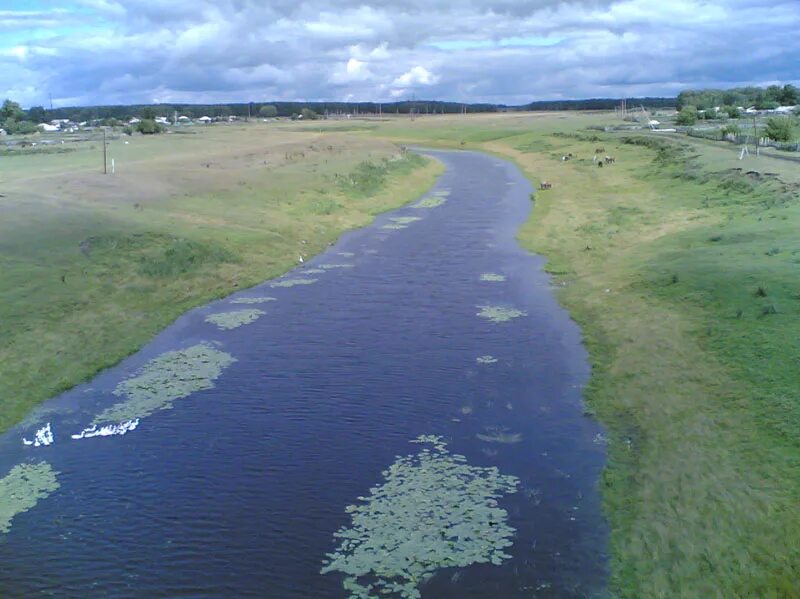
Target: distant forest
286	109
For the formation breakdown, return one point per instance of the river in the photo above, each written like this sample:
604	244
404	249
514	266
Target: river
431	321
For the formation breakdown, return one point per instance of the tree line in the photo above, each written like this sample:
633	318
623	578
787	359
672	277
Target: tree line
761	98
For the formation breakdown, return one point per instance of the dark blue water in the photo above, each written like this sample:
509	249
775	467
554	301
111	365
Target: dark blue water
238	490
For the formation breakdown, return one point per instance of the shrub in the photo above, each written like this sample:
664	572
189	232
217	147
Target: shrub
148	127
780	128
687	116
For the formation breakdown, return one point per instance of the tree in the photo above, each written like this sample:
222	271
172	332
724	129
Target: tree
148	113
732	129
37	114
790	95
308	114
11	110
148	127
780	129
268	111
687	116
733	112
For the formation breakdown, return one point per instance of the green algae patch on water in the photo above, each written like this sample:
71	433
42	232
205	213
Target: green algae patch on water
234	319
432	511
493	277
22	488
252	300
293	282
500	313
496	434
430	202
486	360
405	220
171	376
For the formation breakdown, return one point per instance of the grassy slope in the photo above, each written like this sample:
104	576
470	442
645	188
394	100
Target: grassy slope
694	375
129	268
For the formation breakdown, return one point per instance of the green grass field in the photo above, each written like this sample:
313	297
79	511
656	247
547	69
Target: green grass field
683	275
92	266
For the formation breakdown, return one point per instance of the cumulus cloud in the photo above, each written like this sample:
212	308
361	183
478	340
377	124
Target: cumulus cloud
503	51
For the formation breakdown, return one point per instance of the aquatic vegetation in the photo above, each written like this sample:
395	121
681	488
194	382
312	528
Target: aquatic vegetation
346	254
493	277
498	434
292	282
44	436
442	193
405	220
430	202
432	511
500	313
22	488
253	300
332	266
486	360
234	319
466	410
313	271
173	375
394	226
108	430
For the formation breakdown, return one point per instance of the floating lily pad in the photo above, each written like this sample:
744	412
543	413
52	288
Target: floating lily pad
22	488
500	313
252	300
292	282
173	375
432	511
235	319
486	360
493	277
405	220
496	434
430	202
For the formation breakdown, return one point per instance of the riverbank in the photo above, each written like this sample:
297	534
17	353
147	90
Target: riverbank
93	266
684	282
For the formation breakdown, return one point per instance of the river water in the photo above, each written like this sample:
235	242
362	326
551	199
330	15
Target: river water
238	489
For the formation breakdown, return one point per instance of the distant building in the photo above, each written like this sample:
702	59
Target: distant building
3	132
205	119
183	118
47	128
134	121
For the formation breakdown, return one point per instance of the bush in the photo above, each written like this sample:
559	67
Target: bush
148	127
269	111
733	112
687	116
308	114
780	129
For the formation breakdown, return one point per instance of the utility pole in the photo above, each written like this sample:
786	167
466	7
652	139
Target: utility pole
105	162
755	133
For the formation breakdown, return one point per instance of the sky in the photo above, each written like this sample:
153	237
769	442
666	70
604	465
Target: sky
89	52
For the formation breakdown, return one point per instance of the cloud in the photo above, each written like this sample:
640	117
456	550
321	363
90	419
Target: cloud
503	51
416	76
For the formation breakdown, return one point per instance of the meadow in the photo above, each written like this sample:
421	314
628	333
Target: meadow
93	265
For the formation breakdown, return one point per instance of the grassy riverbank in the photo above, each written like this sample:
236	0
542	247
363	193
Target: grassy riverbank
684	280
92	266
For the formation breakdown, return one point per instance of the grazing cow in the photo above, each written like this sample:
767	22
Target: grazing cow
564	158
610	160
599	150
600	164
545	185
